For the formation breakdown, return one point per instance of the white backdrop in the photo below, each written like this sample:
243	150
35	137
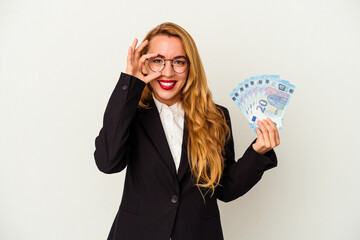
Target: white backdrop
61	59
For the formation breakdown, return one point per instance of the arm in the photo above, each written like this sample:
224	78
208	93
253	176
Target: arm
239	177
111	144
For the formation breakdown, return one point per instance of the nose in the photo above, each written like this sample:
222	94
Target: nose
167	71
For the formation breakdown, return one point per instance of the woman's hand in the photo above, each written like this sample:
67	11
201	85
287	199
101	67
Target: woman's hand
268	137
135	63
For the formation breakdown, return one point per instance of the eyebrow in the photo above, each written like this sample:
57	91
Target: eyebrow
161	56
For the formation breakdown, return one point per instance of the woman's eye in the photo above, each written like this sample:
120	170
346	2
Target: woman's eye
157	61
179	62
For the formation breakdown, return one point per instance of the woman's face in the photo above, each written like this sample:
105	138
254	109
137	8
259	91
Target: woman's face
167	87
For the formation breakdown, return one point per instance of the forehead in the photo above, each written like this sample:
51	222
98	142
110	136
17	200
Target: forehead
167	46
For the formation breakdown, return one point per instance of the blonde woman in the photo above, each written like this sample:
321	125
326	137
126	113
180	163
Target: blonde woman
162	124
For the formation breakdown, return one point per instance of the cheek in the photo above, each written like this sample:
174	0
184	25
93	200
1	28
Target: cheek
181	85
183	81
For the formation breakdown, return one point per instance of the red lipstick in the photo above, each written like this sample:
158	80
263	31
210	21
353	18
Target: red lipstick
167	84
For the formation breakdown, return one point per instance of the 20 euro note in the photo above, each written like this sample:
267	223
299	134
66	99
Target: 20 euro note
264	96
272	102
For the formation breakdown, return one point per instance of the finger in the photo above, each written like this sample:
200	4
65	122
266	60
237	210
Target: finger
147	56
258	146
271	123
271	130
133	46
152	76
141	47
134	43
129	63
277	137
265	133
260	134
129	56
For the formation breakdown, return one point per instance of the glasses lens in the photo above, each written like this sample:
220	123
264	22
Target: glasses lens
156	64
180	65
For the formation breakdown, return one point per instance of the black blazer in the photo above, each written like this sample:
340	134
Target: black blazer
157	203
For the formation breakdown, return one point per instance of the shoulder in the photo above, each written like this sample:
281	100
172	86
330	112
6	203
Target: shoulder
224	111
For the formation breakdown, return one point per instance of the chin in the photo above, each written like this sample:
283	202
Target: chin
167	98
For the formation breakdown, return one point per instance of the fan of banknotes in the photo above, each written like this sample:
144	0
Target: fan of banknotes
265	96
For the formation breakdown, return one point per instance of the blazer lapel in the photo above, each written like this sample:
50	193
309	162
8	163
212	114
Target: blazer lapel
150	119
184	164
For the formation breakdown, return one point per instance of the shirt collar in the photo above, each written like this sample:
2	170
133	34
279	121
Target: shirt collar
176	108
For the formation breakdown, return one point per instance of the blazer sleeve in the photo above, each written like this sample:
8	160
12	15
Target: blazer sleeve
112	144
241	175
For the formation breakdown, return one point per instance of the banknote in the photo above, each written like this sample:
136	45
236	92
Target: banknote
263	96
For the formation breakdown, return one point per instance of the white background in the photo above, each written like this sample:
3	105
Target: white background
60	61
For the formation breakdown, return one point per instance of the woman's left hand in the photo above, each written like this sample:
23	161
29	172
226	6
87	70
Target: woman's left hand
268	137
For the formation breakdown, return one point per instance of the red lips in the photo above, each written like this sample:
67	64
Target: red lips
167	84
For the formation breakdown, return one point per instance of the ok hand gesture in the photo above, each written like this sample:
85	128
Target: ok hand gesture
268	137
135	63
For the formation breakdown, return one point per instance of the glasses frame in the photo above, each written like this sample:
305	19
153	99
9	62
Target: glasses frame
172	64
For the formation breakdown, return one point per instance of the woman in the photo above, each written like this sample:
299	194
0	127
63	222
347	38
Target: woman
162	123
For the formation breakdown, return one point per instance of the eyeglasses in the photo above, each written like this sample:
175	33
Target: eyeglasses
157	64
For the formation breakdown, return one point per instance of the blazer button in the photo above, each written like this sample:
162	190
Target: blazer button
174	199
124	87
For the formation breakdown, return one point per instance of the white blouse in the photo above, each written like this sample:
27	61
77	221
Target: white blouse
172	119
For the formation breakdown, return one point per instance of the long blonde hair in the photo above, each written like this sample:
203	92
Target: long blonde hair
206	123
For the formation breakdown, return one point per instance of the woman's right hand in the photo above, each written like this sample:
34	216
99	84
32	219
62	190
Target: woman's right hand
135	63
